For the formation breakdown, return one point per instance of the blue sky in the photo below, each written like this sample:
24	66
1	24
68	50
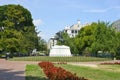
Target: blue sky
51	16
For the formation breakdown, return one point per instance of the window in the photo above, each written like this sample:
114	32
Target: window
66	31
72	31
75	31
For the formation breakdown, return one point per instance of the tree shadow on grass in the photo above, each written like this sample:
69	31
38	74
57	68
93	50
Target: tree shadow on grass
9	74
35	78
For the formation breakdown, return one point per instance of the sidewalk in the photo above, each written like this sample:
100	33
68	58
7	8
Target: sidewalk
13	70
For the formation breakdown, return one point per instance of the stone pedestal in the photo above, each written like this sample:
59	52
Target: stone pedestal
60	51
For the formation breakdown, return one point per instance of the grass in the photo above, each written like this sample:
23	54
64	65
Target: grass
103	72
100	73
34	72
59	59
111	68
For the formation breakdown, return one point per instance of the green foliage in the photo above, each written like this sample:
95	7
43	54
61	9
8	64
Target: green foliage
62	38
98	36
18	34
42	45
85	38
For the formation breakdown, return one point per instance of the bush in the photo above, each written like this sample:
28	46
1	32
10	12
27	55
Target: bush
58	73
118	57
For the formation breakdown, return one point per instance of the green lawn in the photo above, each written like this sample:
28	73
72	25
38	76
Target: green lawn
59	59
34	72
103	72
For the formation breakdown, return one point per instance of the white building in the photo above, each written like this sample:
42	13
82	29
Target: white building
73	30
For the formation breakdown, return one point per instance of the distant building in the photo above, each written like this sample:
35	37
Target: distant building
73	30
116	25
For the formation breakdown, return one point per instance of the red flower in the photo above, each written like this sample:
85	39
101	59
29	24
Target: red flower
58	73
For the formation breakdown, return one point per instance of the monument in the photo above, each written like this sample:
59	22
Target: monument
60	51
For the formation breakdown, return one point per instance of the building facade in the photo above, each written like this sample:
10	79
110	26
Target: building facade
73	30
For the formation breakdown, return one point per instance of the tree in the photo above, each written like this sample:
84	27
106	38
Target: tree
42	45
85	38
105	38
62	38
96	37
19	33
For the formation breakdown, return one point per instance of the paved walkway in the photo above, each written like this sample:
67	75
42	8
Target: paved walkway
13	70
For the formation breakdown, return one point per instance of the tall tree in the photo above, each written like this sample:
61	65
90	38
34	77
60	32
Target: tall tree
18	34
85	38
96	37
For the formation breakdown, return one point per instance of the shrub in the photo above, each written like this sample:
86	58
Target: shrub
118	57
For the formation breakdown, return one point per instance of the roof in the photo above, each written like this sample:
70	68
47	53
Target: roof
76	27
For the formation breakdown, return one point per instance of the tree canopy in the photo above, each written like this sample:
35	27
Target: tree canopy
93	38
17	31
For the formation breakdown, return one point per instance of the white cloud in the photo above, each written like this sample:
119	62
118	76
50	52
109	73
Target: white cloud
37	22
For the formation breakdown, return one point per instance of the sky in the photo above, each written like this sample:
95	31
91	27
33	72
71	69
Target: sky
51	16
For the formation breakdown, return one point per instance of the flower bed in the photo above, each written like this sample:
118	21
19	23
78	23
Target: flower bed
58	73
111	63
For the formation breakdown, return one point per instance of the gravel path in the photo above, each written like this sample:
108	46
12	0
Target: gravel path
13	70
90	64
84	64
